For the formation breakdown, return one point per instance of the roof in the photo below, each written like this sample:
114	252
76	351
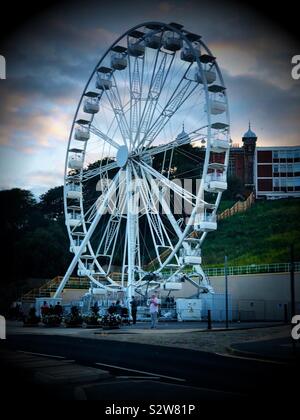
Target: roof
183	136
249	134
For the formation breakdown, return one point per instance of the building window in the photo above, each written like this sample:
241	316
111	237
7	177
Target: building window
282	168
231	167
283	182
296	182
282	154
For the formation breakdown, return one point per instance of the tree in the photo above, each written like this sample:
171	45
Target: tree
16	206
235	189
44	253
52	203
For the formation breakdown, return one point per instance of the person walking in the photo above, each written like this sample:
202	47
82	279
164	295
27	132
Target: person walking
154	306
134	306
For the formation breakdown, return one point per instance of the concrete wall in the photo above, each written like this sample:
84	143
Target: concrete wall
253	296
259	296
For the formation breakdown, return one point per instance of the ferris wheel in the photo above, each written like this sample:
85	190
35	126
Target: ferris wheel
146	161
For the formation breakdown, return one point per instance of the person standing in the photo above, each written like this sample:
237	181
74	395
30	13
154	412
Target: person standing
134	306
118	308
58	310
154	306
44	309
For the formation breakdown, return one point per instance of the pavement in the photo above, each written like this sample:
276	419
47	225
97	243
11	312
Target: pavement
72	368
238	338
175	362
279	349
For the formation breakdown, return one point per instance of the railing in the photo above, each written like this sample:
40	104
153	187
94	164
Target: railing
252	269
238	207
84	282
215	176
52	285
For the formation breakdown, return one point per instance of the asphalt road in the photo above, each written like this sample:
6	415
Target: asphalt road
231	376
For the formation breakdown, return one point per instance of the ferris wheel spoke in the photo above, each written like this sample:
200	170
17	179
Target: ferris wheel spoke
168	113
107	245
111	204
92	173
104	137
159	235
181	192
159	76
116	105
160	199
136	77
108	242
190	138
164	204
179	96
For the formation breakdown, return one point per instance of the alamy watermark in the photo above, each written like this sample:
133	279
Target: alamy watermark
296	67
2	328
2	67
153	195
296	328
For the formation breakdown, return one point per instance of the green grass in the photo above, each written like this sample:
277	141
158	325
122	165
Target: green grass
225	204
261	235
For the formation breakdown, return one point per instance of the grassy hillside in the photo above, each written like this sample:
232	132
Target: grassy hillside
262	234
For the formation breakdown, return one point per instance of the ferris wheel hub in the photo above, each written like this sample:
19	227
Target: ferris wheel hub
122	156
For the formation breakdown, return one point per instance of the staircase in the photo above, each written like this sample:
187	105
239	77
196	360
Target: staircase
50	287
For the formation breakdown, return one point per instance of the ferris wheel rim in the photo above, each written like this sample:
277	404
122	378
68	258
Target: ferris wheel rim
173	29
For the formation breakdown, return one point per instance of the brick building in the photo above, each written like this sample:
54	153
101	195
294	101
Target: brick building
277	172
272	172
241	160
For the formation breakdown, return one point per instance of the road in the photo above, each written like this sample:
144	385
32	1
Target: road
203	372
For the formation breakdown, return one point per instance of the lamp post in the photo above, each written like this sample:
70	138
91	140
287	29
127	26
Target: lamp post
226	289
292	286
292	282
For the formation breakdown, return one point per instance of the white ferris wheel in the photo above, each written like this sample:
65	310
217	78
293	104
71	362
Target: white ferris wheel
135	216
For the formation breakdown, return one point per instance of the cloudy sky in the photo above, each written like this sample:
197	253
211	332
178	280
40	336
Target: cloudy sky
50	58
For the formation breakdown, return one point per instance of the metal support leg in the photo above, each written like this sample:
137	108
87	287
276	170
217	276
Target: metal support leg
98	216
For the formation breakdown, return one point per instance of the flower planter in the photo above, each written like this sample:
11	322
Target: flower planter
109	322
52	321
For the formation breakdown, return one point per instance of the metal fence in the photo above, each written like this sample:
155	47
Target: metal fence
252	269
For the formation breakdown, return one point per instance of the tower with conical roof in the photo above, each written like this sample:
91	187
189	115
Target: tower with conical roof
249	144
182	137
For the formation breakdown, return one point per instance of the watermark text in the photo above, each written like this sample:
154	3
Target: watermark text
2	328
296	328
2	67
296	67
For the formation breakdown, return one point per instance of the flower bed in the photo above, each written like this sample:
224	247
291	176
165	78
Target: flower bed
74	319
110	321
52	320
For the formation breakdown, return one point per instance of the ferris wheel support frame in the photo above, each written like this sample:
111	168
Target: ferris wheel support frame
101	210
